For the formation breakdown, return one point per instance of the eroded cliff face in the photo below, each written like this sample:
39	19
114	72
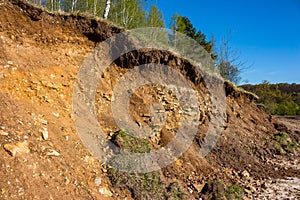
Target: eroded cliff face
42	156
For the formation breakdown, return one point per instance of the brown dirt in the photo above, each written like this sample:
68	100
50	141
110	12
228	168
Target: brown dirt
40	54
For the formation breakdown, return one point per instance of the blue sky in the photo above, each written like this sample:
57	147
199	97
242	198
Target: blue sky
266	33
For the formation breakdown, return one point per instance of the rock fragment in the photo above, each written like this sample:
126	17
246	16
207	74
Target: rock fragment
19	147
105	191
3	133
52	152
44	132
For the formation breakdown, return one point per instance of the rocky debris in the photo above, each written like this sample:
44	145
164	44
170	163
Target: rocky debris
44	132
19	147
213	190
288	188
52	152
3	133
98	181
245	174
105	191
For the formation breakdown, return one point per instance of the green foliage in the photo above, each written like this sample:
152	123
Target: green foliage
283	143
174	192
132	144
215	189
278	99
234	192
183	25
142	186
125	13
128	14
155	18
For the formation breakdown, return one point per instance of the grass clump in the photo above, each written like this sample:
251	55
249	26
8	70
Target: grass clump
141	186
131	144
174	192
215	189
234	192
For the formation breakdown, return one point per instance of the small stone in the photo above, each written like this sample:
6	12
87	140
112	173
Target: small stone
3	133
146	115
53	153
245	174
198	187
44	133
251	188
43	121
248	191
190	190
105	191
98	181
55	114
178	162
67	180
19	147
104	170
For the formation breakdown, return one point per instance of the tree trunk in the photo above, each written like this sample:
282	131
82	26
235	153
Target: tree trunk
106	11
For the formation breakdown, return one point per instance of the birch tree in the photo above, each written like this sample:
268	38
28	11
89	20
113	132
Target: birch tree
107	8
127	13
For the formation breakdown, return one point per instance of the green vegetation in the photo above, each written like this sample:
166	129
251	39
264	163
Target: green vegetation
234	192
283	143
141	185
131	14
174	192
278	99
132	144
183	25
215	189
125	13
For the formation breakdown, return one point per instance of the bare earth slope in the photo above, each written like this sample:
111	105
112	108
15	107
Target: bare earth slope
41	155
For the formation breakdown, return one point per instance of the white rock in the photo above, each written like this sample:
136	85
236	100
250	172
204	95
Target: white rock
53	153
3	133
98	181
105	191
44	133
55	114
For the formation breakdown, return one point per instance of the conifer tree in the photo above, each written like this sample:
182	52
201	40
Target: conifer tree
155	18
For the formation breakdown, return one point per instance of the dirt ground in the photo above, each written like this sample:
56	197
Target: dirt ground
42	156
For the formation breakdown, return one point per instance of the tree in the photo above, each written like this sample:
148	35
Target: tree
229	62
54	5
106	11
155	18
183	25
127	13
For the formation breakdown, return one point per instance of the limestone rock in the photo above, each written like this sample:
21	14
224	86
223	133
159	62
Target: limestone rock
19	147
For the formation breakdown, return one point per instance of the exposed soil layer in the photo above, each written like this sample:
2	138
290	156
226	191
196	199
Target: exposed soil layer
41	154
